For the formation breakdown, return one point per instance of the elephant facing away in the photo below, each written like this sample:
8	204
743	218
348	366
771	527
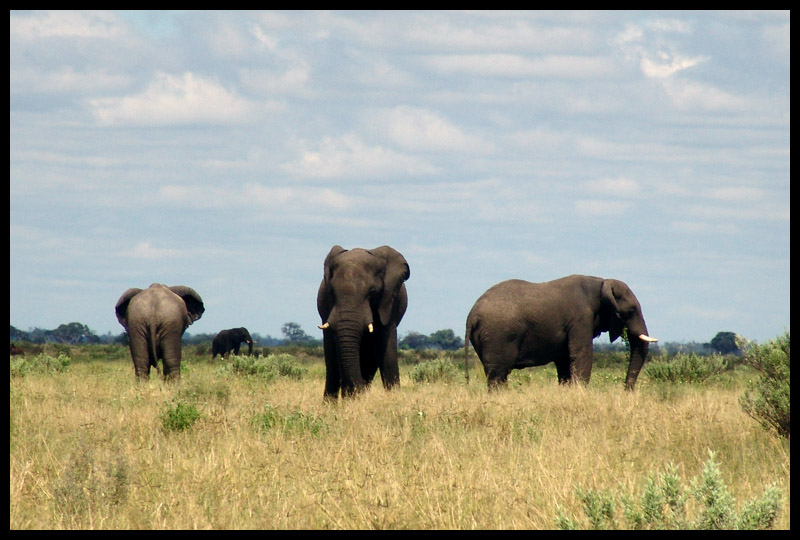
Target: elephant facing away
155	319
361	300
230	340
517	324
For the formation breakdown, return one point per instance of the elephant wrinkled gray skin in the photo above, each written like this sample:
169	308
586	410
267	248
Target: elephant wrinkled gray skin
517	324
230	340
361	300
155	319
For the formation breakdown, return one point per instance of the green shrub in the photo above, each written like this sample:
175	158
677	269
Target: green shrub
270	367
292	422
767	398
688	368
662	505
438	370
41	363
179	417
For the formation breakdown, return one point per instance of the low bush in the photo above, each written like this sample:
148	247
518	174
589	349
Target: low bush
266	367
662	505
179	417
441	369
687	368
41	363
767	398
294	421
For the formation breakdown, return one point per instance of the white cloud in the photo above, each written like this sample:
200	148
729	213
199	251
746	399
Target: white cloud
666	64
618	187
145	250
66	80
703	227
66	23
170	100
421	129
347	157
737	193
689	95
285	199
515	65
600	207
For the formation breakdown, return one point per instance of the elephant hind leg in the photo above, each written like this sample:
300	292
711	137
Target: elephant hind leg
564	370
496	376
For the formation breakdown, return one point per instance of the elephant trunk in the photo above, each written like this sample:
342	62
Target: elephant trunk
348	337
639	349
249	347
348	325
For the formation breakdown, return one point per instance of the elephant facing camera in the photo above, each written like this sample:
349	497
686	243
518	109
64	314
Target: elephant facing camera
361	300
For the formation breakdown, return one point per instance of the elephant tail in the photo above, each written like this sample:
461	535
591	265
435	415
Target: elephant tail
153	350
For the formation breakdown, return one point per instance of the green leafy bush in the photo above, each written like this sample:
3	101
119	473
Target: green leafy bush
292	422
437	370
179	417
688	368
767	398
41	363
270	367
662	505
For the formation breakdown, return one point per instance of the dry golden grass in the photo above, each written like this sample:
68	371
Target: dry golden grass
88	450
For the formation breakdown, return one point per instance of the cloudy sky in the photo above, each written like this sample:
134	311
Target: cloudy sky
229	151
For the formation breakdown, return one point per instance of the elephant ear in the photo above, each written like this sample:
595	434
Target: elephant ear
324	304
121	308
194	304
397	272
610	318
335	251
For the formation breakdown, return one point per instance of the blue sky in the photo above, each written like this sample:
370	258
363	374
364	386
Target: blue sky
229	151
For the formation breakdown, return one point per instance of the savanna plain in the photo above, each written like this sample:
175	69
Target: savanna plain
233	446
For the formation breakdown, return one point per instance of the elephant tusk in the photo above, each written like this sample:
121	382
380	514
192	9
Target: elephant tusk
645	337
369	327
324	326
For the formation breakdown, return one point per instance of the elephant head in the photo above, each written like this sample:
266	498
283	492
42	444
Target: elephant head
155	319
619	309
361	299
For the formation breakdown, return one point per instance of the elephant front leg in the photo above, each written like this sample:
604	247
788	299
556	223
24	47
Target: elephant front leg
390	370
581	357
332	377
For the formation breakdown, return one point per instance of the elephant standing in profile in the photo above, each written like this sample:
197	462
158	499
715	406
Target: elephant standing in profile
517	324
361	300
155	319
230	340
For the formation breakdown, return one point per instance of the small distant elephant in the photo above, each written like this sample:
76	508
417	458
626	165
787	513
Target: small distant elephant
230	340
517	324
155	319
16	350
361	300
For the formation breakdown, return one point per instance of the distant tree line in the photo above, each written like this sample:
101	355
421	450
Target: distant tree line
293	334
